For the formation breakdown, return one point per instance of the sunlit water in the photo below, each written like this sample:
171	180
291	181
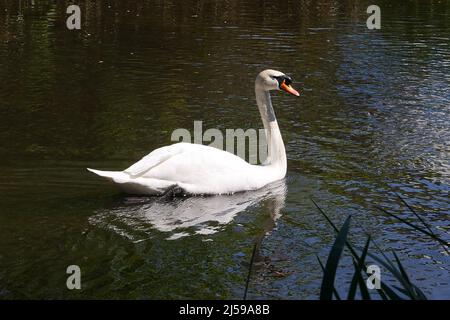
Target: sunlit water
372	121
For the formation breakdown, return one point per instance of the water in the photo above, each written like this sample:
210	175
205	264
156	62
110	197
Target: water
372	121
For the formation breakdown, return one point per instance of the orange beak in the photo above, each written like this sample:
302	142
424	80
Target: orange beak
289	89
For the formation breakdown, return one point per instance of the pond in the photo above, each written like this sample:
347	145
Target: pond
372	121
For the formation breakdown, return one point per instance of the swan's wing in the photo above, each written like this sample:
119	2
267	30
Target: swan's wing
200	169
187	155
153	159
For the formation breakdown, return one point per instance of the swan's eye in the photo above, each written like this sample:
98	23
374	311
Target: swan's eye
287	80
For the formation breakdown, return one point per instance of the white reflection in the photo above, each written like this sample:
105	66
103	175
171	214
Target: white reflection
136	217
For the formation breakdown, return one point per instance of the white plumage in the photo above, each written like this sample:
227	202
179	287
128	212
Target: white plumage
200	169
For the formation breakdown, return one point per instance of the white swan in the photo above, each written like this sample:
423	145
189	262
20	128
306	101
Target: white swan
198	169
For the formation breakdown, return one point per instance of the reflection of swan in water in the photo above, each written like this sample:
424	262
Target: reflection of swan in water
137	218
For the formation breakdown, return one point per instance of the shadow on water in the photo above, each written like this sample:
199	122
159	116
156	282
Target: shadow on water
136	218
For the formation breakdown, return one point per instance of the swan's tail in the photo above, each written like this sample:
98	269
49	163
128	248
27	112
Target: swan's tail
142	186
115	176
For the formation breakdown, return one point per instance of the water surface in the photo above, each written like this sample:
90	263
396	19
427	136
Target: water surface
372	121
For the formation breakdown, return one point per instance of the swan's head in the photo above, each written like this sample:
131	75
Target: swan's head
275	80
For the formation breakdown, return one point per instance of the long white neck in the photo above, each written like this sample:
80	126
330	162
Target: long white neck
276	156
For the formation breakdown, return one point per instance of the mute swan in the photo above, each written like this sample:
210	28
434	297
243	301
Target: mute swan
199	169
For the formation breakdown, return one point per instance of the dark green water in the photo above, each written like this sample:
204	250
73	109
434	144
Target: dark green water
373	119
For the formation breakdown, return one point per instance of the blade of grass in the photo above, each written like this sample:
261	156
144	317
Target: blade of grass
421	220
323	269
325	215
385	291
389	292
362	284
358	268
431	235
326	290
417	292
415	213
396	273
353	252
392	295
407	290
400	267
249	271
402	290
386	259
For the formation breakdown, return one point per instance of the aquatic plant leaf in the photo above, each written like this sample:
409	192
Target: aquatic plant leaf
358	268
326	290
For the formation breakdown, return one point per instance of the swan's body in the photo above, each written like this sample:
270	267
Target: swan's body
200	169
